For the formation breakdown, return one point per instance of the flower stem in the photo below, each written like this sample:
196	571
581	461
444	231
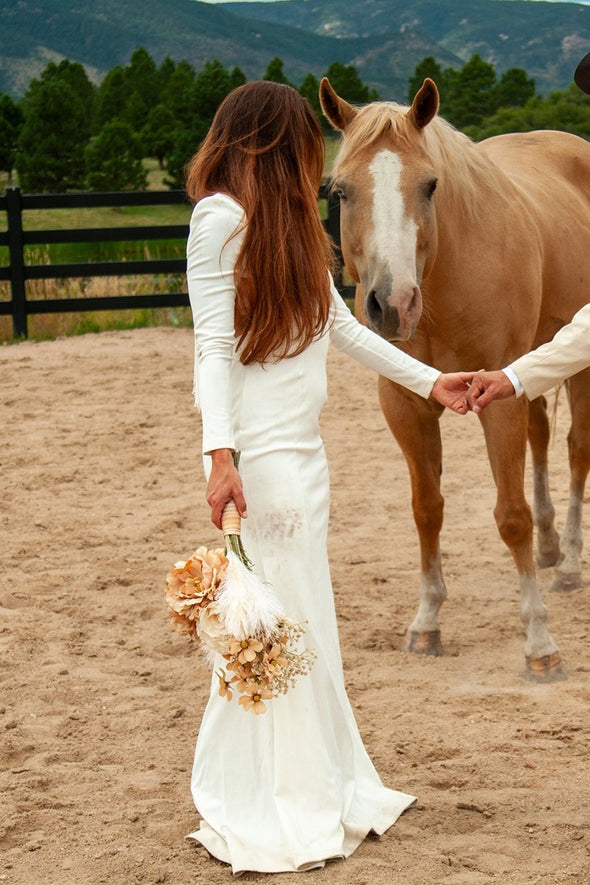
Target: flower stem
234	543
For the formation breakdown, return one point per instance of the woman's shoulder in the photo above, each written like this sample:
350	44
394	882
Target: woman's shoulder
218	207
217	221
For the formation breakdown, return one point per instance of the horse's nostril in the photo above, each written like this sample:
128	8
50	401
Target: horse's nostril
382	318
373	309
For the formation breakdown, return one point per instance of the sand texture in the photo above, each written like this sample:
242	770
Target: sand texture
101	700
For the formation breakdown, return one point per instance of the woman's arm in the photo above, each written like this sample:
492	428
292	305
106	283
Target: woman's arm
211	255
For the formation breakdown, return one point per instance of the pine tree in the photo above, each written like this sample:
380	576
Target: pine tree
57	111
349	86
275	72
11	121
113	159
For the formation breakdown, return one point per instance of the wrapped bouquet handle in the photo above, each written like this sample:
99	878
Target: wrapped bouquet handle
231	521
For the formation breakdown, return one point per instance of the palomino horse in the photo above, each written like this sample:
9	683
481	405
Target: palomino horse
468	255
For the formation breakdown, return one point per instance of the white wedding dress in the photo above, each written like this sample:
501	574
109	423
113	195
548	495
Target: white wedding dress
293	787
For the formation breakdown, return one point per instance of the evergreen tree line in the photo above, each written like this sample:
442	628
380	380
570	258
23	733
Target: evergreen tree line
68	134
474	100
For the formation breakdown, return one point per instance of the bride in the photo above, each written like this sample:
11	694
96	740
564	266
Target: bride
294	787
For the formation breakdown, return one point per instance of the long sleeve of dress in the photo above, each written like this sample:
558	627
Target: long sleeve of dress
211	256
567	353
368	348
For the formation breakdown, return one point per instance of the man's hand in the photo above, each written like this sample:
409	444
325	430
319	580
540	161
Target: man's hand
488	386
450	390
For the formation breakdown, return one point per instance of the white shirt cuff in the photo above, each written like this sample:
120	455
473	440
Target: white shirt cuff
513	378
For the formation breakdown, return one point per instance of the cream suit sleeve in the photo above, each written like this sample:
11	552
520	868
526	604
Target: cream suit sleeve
211	256
368	348
567	353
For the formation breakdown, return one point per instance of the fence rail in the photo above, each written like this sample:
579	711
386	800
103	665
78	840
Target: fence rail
16	237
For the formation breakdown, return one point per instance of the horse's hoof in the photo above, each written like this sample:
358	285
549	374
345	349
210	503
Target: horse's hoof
546	669
427	643
564	583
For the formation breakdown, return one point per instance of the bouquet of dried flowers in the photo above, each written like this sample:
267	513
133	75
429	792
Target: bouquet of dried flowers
216	598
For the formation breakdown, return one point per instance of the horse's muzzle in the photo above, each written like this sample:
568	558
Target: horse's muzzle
395	322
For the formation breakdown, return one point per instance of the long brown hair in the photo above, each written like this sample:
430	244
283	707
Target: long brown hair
265	148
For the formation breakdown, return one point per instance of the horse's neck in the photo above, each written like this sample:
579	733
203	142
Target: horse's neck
472	186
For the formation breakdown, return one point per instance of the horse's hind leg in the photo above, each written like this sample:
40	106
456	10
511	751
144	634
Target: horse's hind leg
505	428
415	425
548	551
568	574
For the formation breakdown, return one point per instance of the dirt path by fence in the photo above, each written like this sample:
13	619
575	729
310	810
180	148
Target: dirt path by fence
100	700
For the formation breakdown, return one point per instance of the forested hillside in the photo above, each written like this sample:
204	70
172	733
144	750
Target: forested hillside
384	39
546	39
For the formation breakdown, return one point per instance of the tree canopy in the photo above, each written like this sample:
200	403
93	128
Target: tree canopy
67	133
113	159
57	111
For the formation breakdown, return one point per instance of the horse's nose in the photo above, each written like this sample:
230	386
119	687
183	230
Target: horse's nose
383	318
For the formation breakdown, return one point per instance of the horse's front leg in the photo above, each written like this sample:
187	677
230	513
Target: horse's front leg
505	428
415	425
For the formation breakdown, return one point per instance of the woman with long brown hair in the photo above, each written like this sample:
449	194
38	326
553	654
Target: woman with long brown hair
294	787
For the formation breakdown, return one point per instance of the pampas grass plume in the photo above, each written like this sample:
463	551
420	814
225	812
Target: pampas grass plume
245	604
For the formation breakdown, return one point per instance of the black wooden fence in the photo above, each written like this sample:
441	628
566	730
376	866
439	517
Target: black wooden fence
18	271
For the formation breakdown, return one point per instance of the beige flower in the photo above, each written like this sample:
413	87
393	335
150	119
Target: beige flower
224	686
245	649
211	564
254	697
191	585
185	626
274	657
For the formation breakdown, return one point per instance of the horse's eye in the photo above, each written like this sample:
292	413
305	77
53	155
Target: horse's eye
339	191
431	187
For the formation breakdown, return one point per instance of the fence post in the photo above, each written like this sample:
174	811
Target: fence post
17	262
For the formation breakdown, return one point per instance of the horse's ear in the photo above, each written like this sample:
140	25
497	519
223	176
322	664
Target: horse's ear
338	111
425	104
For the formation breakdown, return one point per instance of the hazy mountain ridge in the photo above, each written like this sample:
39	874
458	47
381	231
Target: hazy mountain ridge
382	38
547	39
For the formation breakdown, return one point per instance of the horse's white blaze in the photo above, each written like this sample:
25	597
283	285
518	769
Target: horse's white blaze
395	233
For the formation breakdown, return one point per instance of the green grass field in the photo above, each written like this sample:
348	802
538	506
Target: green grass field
43	326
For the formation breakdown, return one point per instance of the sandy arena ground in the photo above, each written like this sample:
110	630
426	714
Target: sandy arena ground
100	700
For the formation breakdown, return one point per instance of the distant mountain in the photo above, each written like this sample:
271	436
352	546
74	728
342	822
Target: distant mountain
546	39
384	39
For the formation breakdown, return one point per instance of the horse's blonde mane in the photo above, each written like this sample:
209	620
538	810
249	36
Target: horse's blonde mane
463	170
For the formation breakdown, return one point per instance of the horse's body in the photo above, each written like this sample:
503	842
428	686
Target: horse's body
471	277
